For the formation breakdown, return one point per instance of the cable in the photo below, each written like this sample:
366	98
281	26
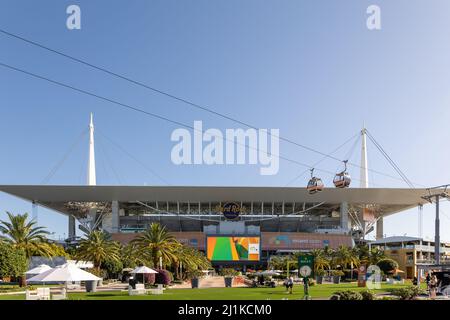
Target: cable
389	159
133	157
140	110
109	163
185	101
63	159
321	160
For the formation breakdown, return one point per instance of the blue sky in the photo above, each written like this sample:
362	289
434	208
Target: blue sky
310	68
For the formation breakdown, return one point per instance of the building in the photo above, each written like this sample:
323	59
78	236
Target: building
412	253
231	224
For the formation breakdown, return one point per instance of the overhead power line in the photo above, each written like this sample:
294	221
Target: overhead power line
182	100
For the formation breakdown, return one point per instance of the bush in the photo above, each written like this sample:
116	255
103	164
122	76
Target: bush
407	293
337	273
13	262
367	295
388	266
228	272
195	274
163	277
346	295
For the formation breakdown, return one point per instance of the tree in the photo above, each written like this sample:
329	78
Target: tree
190	259
13	262
158	243
344	257
131	257
25	235
98	248
388	266
321	260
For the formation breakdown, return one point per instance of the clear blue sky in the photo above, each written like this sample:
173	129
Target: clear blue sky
310	68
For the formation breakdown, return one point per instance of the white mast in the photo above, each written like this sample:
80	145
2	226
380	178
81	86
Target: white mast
92	177
364	173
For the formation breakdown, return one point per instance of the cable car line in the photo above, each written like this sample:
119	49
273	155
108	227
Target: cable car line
126	106
185	101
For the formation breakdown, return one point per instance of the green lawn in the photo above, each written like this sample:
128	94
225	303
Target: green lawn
323	291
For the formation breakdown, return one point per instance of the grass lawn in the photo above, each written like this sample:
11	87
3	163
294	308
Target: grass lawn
323	291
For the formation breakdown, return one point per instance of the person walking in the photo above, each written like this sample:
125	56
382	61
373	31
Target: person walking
290	284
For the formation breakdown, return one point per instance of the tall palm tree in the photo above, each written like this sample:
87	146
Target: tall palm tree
98	248
157	243
25	235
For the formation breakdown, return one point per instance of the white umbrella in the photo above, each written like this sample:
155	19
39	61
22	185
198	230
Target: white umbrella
66	273
38	269
143	270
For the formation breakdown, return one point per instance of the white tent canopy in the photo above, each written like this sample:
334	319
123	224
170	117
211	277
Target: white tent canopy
65	273
143	270
39	269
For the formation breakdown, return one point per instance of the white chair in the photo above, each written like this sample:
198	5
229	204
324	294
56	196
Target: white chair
38	294
44	293
31	295
140	290
159	290
60	295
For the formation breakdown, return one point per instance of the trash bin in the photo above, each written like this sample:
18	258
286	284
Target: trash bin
91	286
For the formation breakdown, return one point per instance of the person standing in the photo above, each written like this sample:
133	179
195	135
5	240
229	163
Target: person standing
306	286
427	279
433	287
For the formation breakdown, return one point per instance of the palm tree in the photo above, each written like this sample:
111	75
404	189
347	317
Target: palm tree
321	260
157	243
343	256
25	235
376	254
190	259
98	248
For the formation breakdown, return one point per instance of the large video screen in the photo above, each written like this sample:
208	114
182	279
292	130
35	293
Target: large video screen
222	248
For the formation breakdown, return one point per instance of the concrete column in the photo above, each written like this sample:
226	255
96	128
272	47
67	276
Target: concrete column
115	216
71	231
344	222
380	231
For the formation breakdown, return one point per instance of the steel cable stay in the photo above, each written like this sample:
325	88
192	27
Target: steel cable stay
389	159
61	162
123	150
109	162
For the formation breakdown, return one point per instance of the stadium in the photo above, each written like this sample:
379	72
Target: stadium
232	225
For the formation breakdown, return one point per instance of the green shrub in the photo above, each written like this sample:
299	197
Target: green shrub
367	295
339	273
388	266
228	272
407	293
13	261
346	295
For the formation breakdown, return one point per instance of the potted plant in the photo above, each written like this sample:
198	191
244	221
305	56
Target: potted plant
337	274
319	276
228	274
195	276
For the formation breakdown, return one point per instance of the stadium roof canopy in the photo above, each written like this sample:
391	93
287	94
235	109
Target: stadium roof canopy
387	201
